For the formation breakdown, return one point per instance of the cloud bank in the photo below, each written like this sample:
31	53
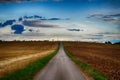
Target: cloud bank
111	18
106	17
74	30
8	22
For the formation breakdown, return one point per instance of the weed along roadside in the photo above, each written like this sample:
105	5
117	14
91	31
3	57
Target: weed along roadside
86	68
29	71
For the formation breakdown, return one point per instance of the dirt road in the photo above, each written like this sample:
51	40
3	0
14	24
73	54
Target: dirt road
60	68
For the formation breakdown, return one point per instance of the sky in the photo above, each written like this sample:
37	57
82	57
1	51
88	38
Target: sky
69	20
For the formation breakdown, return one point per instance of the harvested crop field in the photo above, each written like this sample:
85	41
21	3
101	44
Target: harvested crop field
105	58
16	55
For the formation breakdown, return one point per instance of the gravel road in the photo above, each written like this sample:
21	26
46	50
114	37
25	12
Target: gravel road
60	68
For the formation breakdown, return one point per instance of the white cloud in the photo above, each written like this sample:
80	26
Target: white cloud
6	30
89	33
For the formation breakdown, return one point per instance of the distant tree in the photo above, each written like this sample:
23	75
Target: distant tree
108	42
0	40
117	43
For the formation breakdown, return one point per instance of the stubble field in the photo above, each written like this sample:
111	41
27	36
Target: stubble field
16	55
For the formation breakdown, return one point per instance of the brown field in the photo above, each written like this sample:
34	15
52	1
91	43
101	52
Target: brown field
16	55
103	57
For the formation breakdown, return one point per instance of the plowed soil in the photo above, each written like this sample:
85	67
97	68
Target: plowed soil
103	57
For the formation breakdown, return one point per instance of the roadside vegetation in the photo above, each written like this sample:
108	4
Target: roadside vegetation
101	61
86	68
29	71
25	68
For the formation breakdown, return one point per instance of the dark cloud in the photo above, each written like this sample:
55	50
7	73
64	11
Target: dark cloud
30	30
43	18
33	17
58	19
37	24
8	22
74	30
95	15
36	16
109	17
112	18
18	28
114	15
54	19
28	17
31	23
0	24
20	19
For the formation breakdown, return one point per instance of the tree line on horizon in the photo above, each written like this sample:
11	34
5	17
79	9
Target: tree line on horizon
107	42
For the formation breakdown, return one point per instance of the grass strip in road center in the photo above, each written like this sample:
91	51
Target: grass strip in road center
86	68
29	71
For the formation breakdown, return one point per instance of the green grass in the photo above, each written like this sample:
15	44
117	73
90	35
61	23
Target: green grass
86	68
29	71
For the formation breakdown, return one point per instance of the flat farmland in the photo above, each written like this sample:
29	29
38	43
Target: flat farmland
105	58
15	55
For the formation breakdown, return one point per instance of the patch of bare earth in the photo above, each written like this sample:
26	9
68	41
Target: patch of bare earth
103	57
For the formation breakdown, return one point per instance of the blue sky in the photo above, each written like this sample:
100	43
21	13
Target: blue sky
84	20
